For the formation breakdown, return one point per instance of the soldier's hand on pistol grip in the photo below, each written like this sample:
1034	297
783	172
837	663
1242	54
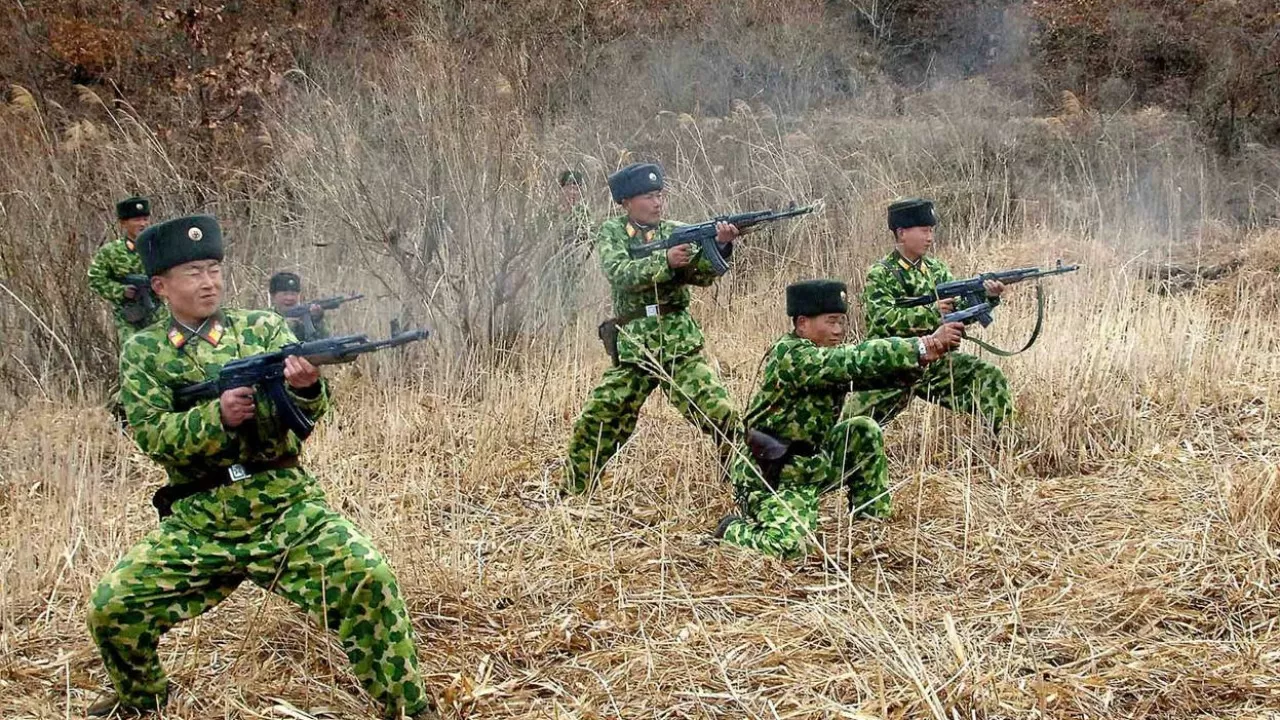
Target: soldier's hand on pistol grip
237	406
680	256
943	340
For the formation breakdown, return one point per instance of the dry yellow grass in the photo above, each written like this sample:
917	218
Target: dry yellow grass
1112	557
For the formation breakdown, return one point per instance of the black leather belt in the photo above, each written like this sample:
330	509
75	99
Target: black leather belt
211	478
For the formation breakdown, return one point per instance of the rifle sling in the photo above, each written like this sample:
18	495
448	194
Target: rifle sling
1035	332
208	479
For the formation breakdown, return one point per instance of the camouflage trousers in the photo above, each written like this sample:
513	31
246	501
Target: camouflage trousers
957	382
609	417
779	522
310	555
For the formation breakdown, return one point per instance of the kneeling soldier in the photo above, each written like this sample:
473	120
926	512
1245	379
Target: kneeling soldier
238	505
654	340
963	383
797	447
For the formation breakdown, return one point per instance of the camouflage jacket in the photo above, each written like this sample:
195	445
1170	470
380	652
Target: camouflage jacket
163	357
575	227
893	277
110	264
804	385
640	282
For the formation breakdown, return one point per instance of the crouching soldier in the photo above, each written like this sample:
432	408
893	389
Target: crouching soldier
963	383
238	504
797	448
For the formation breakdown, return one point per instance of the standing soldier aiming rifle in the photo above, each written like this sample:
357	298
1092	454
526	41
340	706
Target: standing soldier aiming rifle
652	339
238	504
306	319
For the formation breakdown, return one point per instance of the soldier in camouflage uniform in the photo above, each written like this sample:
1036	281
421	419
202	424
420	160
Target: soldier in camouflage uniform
118	259
238	504
797	448
575	217
963	382
653	339
285	289
571	223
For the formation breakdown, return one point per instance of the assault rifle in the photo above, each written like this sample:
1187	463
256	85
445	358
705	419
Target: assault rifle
971	291
302	311
704	234
980	313
266	370
141	308
973	295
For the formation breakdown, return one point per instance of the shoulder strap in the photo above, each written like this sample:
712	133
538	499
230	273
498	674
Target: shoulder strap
1035	332
893	268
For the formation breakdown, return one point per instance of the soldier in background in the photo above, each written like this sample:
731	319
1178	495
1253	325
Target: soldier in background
285	289
573	230
116	267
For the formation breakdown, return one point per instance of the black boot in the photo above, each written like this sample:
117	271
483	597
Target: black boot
723	527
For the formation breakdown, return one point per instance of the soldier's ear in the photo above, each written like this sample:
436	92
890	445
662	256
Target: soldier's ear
157	285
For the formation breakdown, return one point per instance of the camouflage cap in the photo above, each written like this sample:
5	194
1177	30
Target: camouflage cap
133	207
636	179
809	298
912	212
285	282
181	240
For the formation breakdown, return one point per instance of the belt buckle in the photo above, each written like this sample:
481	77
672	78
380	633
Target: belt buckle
651	310
237	472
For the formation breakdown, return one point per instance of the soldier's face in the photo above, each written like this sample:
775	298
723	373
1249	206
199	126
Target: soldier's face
915	241
193	290
570	193
826	330
285	299
133	227
646	209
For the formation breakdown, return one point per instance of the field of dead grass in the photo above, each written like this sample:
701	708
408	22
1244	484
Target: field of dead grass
1113	556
